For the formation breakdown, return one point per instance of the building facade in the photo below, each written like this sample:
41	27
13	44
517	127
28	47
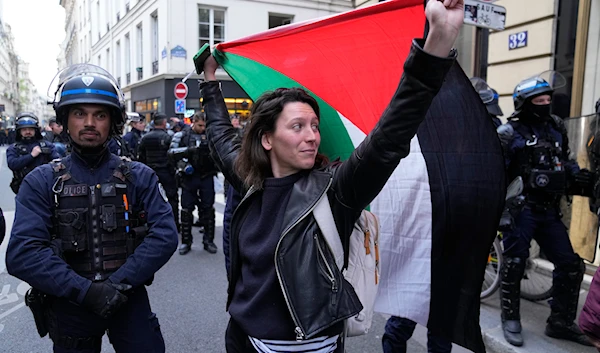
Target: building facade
148	45
9	75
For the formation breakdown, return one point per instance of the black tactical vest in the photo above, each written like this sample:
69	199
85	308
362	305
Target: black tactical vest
199	153
156	145
97	227
540	165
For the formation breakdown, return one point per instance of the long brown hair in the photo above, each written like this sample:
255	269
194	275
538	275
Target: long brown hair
253	164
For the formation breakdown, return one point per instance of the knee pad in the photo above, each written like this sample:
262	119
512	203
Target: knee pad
572	270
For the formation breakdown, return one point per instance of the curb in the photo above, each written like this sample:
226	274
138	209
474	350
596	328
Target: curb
495	345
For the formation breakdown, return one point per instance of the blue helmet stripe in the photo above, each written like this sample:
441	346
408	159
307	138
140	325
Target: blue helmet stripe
529	89
89	91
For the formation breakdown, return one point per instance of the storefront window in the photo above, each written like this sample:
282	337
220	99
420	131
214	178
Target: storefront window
148	106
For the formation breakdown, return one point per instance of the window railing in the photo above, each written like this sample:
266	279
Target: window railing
154	67
140	72
118	16
128	78
119	81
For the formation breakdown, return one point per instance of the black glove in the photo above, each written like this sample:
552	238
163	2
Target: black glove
105	298
584	182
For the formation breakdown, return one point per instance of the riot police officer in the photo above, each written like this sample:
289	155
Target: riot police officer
133	137
81	237
197	182
29	151
152	151
538	152
490	97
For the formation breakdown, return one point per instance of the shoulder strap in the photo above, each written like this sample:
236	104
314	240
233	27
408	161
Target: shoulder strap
123	171
324	217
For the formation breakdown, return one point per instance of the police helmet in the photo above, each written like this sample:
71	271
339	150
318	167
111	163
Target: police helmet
134	117
544	83
493	107
24	120
488	96
87	84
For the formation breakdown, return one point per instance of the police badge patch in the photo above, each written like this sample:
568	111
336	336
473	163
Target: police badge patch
162	192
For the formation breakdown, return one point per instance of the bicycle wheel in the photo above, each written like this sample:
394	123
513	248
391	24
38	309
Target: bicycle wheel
491	278
536	284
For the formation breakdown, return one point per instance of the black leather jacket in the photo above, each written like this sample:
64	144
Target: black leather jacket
302	258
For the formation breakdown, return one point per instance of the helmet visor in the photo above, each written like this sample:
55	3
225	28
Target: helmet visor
484	90
55	88
550	80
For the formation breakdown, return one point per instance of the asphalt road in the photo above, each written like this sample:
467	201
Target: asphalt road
188	296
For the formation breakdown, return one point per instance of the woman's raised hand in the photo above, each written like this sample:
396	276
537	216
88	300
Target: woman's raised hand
445	21
210	67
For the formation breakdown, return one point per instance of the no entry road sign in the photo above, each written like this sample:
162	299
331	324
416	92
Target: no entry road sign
181	90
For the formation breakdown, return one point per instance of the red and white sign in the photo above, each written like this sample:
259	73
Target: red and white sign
181	90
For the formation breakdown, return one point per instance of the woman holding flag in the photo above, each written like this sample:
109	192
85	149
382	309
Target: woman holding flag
285	292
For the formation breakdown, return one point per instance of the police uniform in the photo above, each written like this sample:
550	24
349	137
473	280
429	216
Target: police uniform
152	151
539	153
119	147
18	155
197	183
132	138
81	239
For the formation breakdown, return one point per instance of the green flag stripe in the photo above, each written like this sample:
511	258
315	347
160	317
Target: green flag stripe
256	78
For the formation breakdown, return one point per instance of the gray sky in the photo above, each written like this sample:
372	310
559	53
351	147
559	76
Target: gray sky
38	29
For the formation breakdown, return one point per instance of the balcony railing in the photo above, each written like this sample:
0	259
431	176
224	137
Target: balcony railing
154	67
140	72
128	78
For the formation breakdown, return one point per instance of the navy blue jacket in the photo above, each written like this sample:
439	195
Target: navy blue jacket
17	161
30	256
133	138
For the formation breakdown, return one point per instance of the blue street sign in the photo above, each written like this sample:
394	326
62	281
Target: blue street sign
180	106
517	40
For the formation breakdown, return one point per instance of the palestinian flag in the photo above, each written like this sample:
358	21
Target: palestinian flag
440	209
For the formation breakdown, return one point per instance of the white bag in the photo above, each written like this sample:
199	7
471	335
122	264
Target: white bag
363	260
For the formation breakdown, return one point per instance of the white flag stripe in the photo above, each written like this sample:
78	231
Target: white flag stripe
405	212
356	135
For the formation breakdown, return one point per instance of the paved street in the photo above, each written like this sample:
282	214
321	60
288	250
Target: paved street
188	296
